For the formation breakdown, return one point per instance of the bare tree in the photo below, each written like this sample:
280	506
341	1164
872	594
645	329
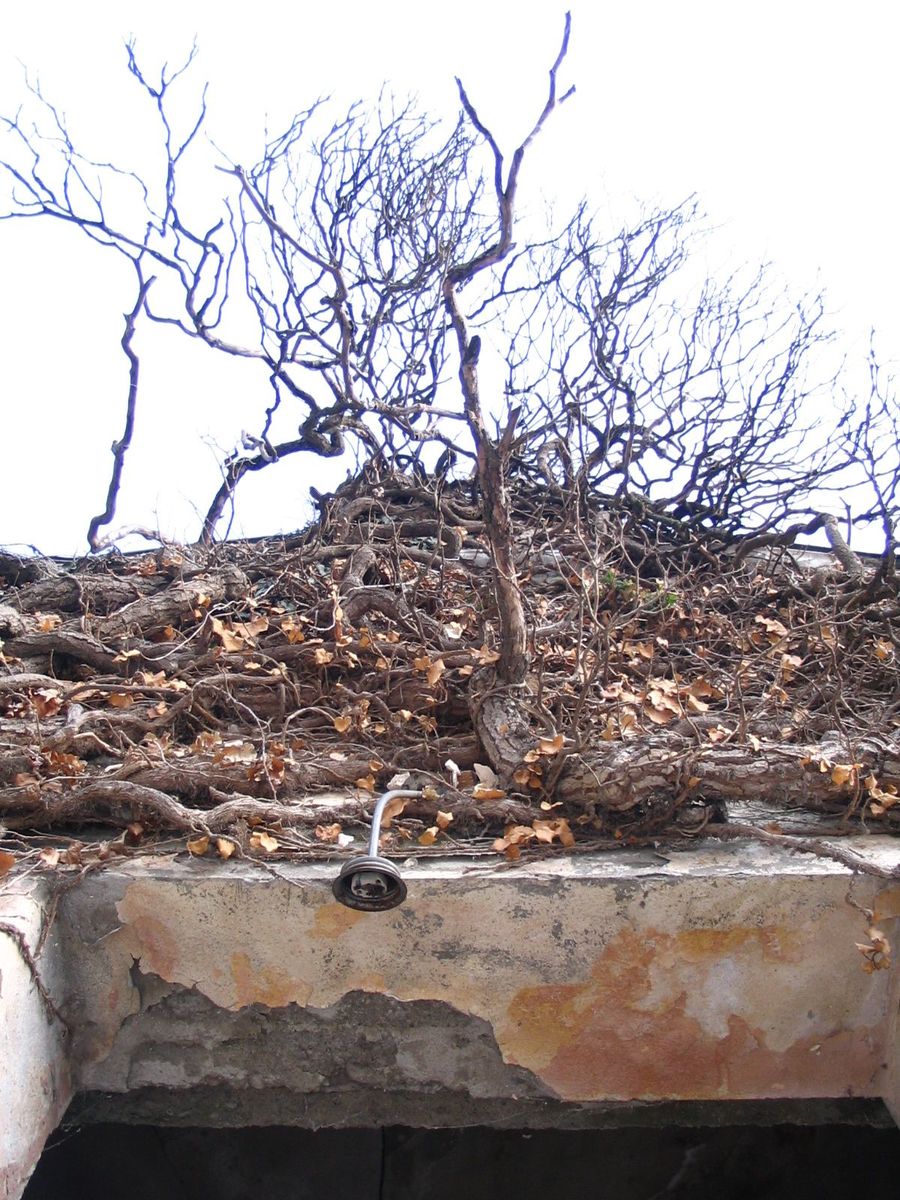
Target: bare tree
650	428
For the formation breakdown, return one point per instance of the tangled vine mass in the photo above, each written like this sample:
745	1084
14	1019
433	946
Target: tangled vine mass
561	599
254	695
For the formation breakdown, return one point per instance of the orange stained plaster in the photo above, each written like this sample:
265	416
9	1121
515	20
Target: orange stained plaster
617	1036
269	985
887	903
772	943
372	981
331	920
159	947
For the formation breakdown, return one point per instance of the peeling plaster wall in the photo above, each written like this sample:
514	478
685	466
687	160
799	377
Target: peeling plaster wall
34	1077
725	973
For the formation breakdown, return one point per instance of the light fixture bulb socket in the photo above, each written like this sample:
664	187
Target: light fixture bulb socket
369	883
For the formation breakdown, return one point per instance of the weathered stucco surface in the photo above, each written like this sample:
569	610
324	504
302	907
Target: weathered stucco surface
212	993
722	973
35	1087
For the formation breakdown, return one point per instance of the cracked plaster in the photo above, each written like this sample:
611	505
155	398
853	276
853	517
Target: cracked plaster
600	985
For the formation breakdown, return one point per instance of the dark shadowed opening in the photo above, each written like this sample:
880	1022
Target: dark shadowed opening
140	1162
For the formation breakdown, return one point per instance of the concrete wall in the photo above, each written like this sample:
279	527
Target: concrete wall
571	992
726	973
35	1086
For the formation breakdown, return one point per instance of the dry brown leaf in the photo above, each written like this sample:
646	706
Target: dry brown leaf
843	773
323	657
342	724
548	831
263	841
429	836
485	656
880	798
205	741
50	856
366	783
46	702
231	640
328	833
480	792
435	671
628	725
234	751
155	679
789	665
876	952
290	627
703	689
443	819
550	746
514	837
199	845
120	700
660	716
641	649
393	808
774	630
7	861
65	764
133	834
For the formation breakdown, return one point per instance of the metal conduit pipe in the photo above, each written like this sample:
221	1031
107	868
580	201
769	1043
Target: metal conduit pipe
370	882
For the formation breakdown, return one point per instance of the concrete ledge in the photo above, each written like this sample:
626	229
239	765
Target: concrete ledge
575	992
239	1108
729	972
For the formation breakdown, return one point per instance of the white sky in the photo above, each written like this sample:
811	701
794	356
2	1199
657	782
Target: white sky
782	117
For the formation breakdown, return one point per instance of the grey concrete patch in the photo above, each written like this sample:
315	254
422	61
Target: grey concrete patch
365	1041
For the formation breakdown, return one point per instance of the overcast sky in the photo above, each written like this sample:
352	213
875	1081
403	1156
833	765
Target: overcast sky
781	117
